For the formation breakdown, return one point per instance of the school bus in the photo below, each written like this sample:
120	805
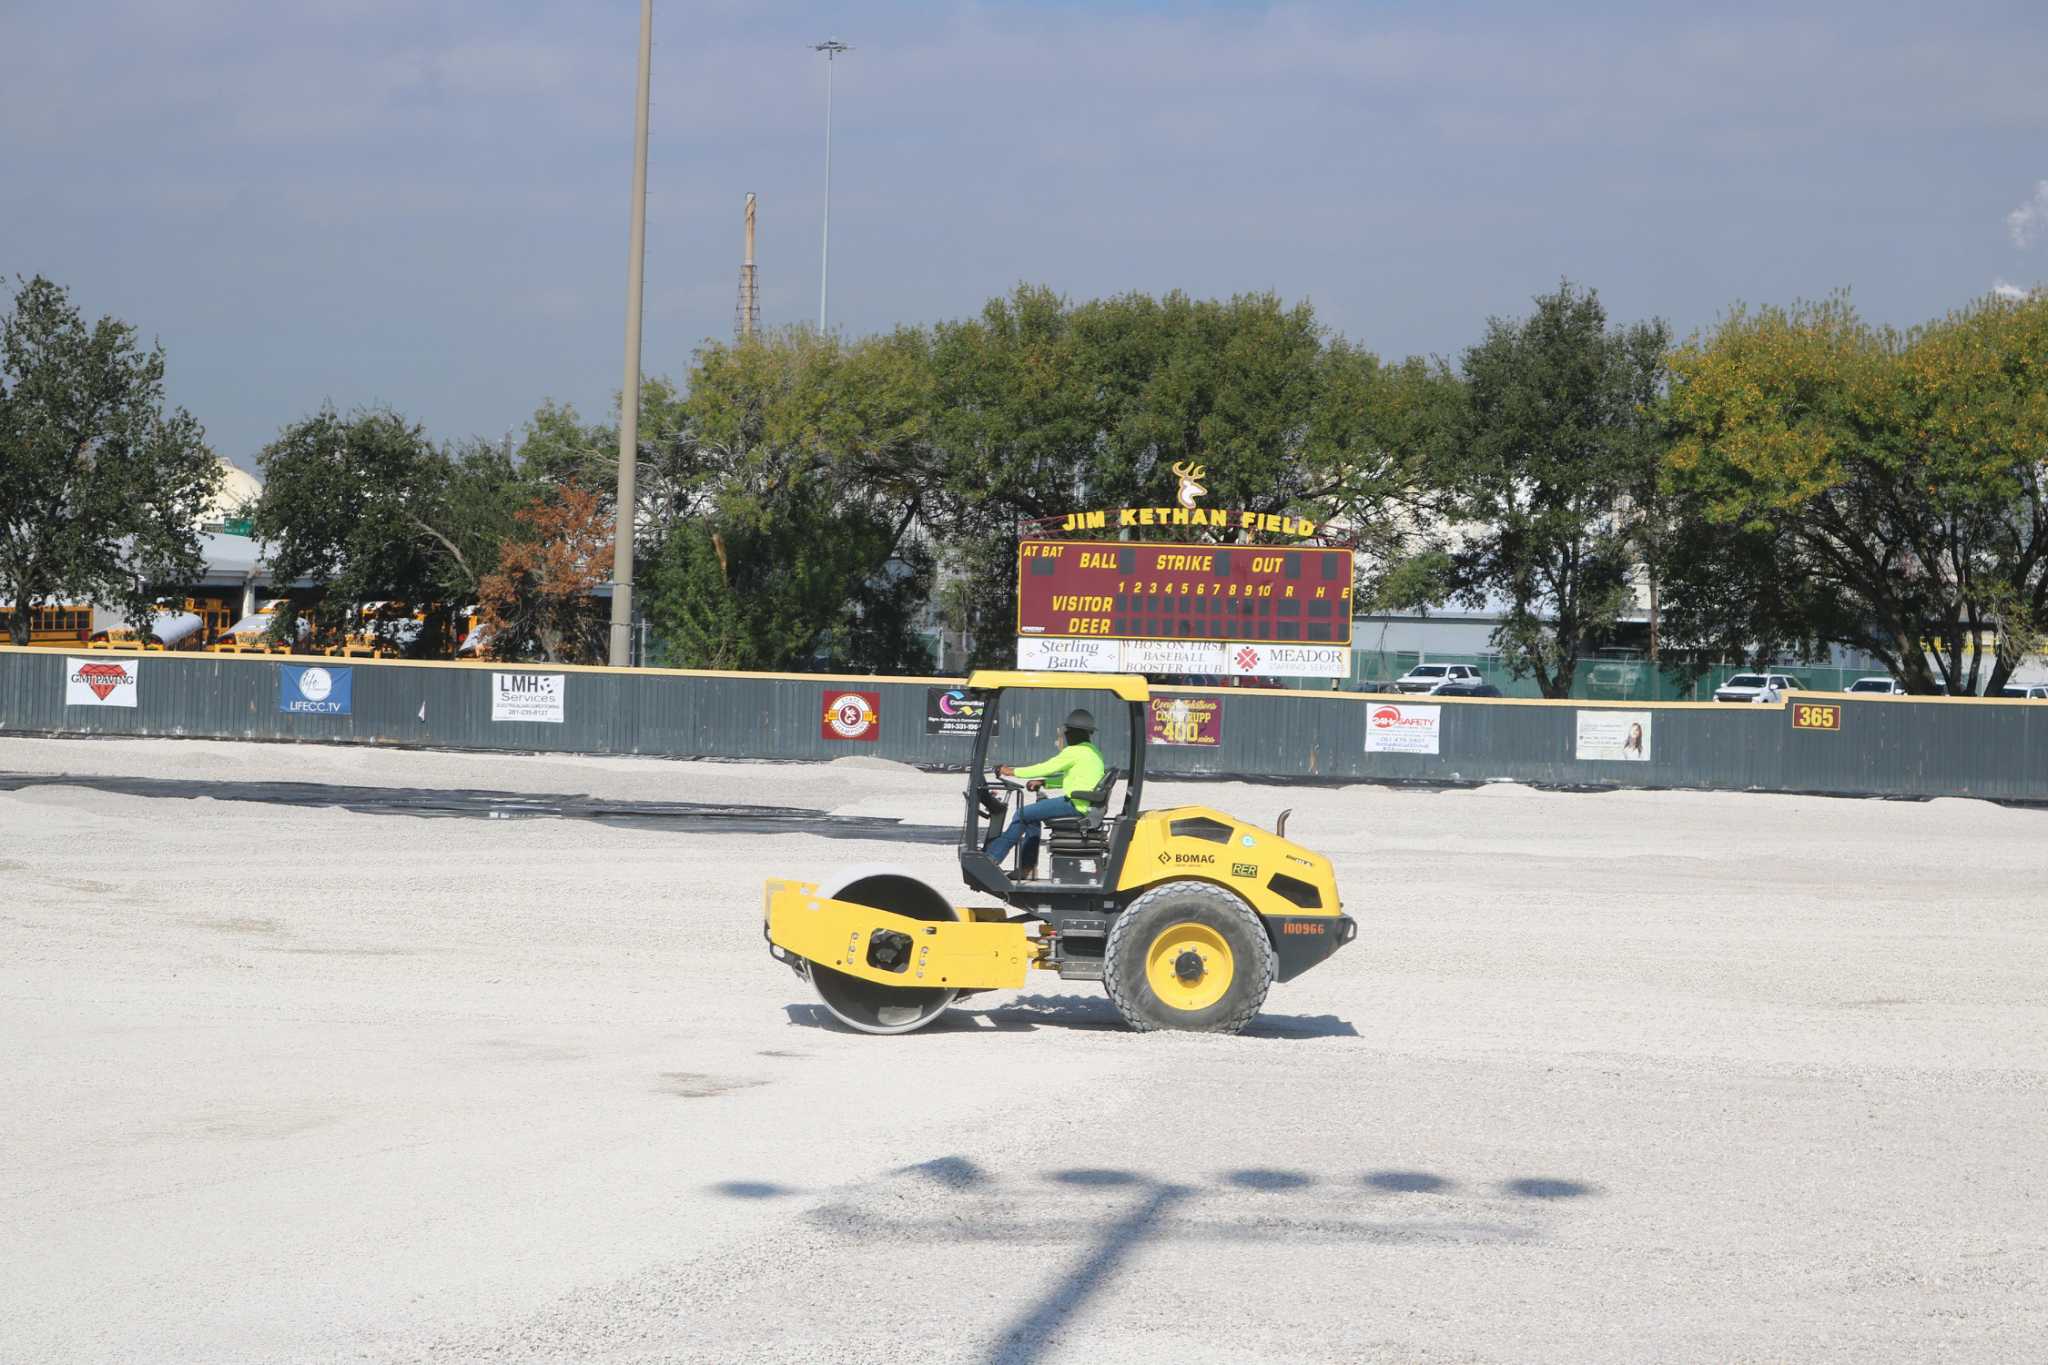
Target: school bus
61	624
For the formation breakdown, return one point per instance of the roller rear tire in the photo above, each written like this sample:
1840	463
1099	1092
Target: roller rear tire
1188	955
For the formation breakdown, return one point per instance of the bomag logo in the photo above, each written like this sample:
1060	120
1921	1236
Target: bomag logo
1295	926
1244	869
1168	858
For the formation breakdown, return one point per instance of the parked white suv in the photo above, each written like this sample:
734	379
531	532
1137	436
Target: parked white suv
1887	686
1427	677
1758	687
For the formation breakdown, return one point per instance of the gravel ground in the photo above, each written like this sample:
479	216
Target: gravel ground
1606	1078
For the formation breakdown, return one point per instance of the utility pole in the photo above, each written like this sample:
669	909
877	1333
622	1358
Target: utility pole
831	47
629	398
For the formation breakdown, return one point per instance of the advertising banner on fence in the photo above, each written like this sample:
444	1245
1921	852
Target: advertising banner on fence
1187	720
1402	728
101	682
952	711
529	696
852	715
314	691
1617	736
1184	658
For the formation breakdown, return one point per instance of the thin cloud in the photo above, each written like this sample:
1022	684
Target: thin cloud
428	203
2027	222
2006	290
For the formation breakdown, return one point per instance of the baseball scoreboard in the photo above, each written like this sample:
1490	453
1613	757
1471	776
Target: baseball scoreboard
1119	590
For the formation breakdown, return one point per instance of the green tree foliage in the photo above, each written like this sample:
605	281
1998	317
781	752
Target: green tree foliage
670	474
801	466
1542	462
1890	484
101	486
1043	407
370	508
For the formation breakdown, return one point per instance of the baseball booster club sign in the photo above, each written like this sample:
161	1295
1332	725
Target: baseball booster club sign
315	691
1187	720
101	682
952	711
851	715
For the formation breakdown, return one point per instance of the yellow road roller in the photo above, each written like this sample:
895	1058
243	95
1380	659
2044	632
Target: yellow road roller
1186	915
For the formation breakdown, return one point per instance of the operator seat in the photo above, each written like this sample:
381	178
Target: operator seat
1085	835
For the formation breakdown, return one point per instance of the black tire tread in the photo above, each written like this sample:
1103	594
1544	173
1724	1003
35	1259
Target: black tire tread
1221	898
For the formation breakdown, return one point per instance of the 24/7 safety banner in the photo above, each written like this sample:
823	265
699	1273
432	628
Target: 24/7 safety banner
1401	728
101	682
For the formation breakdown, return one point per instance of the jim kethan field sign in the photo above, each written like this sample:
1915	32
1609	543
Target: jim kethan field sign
1130	591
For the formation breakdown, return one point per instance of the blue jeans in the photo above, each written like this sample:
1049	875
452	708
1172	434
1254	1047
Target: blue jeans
1025	827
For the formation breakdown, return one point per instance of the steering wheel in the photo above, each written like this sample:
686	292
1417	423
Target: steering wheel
992	802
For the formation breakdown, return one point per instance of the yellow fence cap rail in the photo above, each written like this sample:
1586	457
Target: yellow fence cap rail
1129	686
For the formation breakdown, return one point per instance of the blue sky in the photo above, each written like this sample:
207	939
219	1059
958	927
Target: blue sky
424	203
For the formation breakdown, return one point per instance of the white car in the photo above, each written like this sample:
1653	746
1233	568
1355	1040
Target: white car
1763	687
1429	677
2020	692
1888	687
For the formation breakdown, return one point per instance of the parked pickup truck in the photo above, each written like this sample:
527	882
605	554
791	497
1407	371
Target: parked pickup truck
1425	677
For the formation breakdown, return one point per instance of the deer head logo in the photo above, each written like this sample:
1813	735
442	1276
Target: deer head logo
1190	476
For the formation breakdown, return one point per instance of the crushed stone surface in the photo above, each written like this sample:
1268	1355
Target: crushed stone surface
1611	1076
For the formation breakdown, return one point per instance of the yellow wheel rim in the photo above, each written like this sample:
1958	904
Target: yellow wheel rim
1189	966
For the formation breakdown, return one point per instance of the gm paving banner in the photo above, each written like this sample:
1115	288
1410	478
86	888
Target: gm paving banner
1187	720
852	715
1401	728
952	711
314	691
1616	736
101	682
529	696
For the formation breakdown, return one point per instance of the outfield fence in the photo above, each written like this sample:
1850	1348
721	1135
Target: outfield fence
1861	745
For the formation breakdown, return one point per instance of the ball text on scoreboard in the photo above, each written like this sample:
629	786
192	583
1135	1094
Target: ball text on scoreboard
1134	591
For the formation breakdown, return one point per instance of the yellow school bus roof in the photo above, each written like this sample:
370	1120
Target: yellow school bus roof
1129	686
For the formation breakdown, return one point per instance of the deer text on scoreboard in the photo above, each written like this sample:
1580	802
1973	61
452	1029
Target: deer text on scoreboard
1126	590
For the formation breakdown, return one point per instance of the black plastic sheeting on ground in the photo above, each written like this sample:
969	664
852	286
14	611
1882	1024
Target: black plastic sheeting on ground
702	817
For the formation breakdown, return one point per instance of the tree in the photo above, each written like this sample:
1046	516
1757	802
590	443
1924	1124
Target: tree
540	598
369	507
101	487
1043	407
796	542
669	470
1542	463
1893	483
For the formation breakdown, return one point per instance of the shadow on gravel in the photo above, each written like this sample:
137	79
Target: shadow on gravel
1108	1213
698	816
1028	1013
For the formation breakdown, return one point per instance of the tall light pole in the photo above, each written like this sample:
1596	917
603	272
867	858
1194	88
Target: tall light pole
831	47
629	397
